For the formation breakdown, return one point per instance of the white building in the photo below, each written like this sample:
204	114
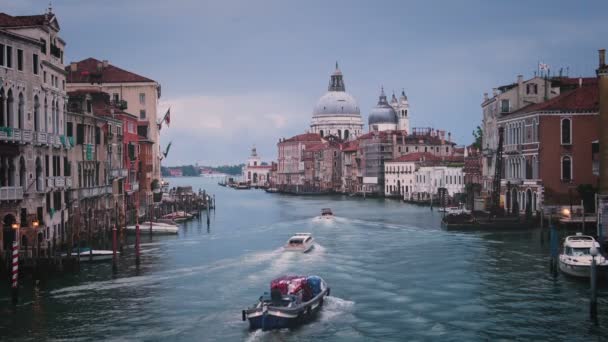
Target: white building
254	171
428	179
337	112
400	174
390	117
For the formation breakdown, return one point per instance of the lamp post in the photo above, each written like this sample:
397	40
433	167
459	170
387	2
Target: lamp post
35	225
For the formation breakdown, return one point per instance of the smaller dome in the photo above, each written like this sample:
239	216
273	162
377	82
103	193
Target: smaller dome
383	113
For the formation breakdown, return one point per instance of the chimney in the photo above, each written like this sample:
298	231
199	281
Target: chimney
602	53
449	137
520	79
485	96
73	67
494	91
105	63
580	82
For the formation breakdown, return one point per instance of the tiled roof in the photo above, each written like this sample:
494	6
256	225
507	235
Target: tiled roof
24	20
315	147
580	99
87	71
350	146
259	167
305	137
417	156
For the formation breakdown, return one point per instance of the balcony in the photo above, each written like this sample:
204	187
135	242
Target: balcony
11	193
118	173
135	186
89	152
60	182
41	138
94	191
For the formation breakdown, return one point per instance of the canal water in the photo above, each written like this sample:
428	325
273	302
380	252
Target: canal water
394	274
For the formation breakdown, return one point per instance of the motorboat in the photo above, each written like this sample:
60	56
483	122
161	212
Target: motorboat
158	228
301	242
87	254
575	258
272	190
326	213
293	300
243	186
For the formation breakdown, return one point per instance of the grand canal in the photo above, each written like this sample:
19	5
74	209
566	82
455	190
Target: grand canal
394	273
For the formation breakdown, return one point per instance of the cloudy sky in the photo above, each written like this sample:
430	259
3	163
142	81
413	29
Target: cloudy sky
238	73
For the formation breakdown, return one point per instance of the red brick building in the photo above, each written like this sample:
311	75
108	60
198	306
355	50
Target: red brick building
548	149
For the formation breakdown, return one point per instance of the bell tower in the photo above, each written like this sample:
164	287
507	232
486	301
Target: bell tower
403	113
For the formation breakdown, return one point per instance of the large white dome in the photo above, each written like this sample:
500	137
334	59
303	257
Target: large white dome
336	103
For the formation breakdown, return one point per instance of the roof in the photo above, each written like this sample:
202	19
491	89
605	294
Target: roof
305	137
580	99
258	167
350	146
316	147
21	21
415	157
87	71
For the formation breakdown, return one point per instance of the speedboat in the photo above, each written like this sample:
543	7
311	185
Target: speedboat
575	259
301	242
272	190
293	300
88	254
158	228
326	213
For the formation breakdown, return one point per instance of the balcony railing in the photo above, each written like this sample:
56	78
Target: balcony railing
94	191
50	183
11	193
60	182
118	173
41	138
28	136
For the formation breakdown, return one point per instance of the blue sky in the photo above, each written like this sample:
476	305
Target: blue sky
237	73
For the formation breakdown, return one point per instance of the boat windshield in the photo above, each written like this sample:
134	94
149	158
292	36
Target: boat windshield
580	251
295	241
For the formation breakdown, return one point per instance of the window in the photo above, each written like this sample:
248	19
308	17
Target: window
19	59
35	64
80	134
142	98
89	106
131	127
142	114
115	97
44	76
97	136
9	56
504	106
2	49
531	89
566	132
566	168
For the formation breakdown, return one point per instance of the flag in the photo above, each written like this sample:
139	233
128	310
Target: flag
167	150
166	118
543	66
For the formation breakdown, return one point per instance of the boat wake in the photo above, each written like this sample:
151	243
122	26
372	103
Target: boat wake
334	307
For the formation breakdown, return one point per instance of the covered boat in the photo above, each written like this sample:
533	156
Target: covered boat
158	228
575	258
293	300
88	254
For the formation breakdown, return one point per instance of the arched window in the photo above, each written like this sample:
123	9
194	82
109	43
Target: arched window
2	108
566	132
36	113
340	133
56	117
346	134
9	109
321	132
22	177
46	115
39	179
566	168
21	112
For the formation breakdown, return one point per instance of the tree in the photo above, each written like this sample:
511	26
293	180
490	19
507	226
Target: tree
478	135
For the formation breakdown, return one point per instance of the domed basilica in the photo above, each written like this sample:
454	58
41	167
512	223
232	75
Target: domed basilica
390	117
337	112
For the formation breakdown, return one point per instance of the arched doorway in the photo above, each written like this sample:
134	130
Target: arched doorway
514	202
8	232
255	177
399	187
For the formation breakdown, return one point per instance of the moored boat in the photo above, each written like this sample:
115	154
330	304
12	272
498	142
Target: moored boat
272	190
158	228
575	258
87	254
292	300
243	186
301	242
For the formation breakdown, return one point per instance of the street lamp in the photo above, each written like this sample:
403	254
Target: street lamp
35	224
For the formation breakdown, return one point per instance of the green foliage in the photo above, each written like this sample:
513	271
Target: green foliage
478	135
190	171
229	169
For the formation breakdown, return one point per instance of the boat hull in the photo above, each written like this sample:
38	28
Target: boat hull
97	256
581	271
271	318
156	230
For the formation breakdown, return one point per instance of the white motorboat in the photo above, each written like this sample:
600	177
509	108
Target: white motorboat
301	242
575	259
158	228
87	254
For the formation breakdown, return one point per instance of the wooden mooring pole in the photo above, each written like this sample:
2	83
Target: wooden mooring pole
114	261
554	247
593	299
15	269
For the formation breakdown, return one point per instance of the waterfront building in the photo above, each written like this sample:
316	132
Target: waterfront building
322	166
390	117
290	164
508	99
473	178
337	112
351	171
95	165
133	93
400	173
33	147
428	180
255	172
549	148
175	171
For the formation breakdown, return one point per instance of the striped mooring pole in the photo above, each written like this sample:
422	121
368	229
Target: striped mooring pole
15	274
